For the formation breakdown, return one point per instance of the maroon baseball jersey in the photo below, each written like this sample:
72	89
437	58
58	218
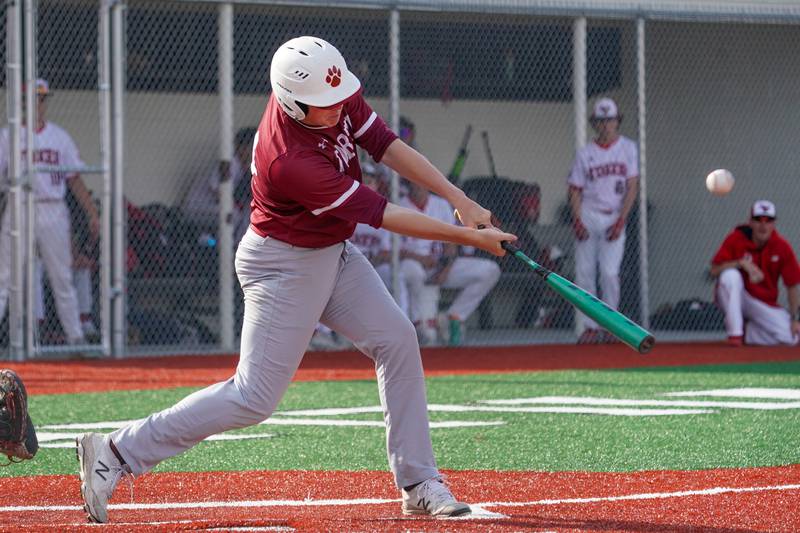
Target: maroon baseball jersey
307	181
776	259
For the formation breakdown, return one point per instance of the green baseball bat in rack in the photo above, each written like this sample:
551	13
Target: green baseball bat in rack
615	322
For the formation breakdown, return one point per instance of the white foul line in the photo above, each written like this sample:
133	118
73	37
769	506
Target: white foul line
375	501
647	496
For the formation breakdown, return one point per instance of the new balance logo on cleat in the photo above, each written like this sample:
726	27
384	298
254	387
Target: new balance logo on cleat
95	455
425	504
433	497
103	470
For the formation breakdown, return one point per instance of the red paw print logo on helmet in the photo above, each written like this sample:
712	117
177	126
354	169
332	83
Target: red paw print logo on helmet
334	77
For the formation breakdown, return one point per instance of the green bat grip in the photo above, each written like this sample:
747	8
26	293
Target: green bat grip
615	322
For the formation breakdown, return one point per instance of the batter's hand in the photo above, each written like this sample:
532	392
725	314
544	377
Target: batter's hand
796	328
581	233
489	239
472	215
615	230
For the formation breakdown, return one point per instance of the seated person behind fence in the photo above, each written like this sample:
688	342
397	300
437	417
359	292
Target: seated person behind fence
434	263
201	204
376	243
748	264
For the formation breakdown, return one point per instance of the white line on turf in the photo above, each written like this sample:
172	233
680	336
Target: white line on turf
648	496
582	400
375	501
744	392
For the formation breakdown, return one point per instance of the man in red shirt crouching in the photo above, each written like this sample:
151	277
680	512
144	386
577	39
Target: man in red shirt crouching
748	264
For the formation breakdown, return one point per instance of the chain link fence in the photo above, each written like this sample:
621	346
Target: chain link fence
497	101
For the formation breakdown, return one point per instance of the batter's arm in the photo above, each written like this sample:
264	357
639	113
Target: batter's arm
414	166
414	224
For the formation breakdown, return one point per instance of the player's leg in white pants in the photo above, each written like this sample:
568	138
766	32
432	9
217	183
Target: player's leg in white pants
285	289
477	277
609	260
363	310
729	290
82	277
38	290
766	325
586	275
5	260
414	275
384	270
55	247
594	251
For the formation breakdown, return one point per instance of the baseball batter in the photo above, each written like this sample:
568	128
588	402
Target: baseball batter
376	245
53	147
296	268
603	185
427	262
748	264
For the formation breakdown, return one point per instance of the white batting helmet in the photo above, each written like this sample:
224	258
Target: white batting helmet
310	71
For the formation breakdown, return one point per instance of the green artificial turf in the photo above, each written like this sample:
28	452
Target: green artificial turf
526	441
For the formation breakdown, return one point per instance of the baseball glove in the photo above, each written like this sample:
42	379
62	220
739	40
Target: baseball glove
17	434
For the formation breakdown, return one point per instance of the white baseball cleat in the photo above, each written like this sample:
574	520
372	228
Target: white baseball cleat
432	497
100	471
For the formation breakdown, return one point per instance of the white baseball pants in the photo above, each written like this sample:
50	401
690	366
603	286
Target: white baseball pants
54	242
81	277
766	325
384	270
598	251
287	290
476	277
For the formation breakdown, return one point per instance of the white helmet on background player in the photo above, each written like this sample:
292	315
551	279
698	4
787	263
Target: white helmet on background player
308	70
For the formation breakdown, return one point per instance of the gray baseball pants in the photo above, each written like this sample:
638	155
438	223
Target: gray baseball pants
287	290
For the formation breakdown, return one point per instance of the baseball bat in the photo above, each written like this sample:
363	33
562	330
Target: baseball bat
615	322
461	158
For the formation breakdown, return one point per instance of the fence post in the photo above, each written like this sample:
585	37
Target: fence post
29	213
225	243
104	101
119	341
394	118
13	104
641	67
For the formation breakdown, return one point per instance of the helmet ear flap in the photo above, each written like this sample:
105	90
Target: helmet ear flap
296	110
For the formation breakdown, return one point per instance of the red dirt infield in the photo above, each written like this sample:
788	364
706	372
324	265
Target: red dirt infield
58	377
720	501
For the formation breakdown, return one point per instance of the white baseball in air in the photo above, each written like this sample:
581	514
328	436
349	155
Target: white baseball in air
720	182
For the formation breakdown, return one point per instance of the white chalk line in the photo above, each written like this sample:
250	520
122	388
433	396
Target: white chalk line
378	501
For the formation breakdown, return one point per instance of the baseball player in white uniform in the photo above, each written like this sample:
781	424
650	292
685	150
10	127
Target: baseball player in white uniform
603	185
53	147
434	263
297	268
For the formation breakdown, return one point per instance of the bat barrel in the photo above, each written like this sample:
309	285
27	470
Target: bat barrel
615	322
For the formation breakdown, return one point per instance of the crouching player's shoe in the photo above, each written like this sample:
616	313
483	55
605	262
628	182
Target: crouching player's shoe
432	497
100	471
